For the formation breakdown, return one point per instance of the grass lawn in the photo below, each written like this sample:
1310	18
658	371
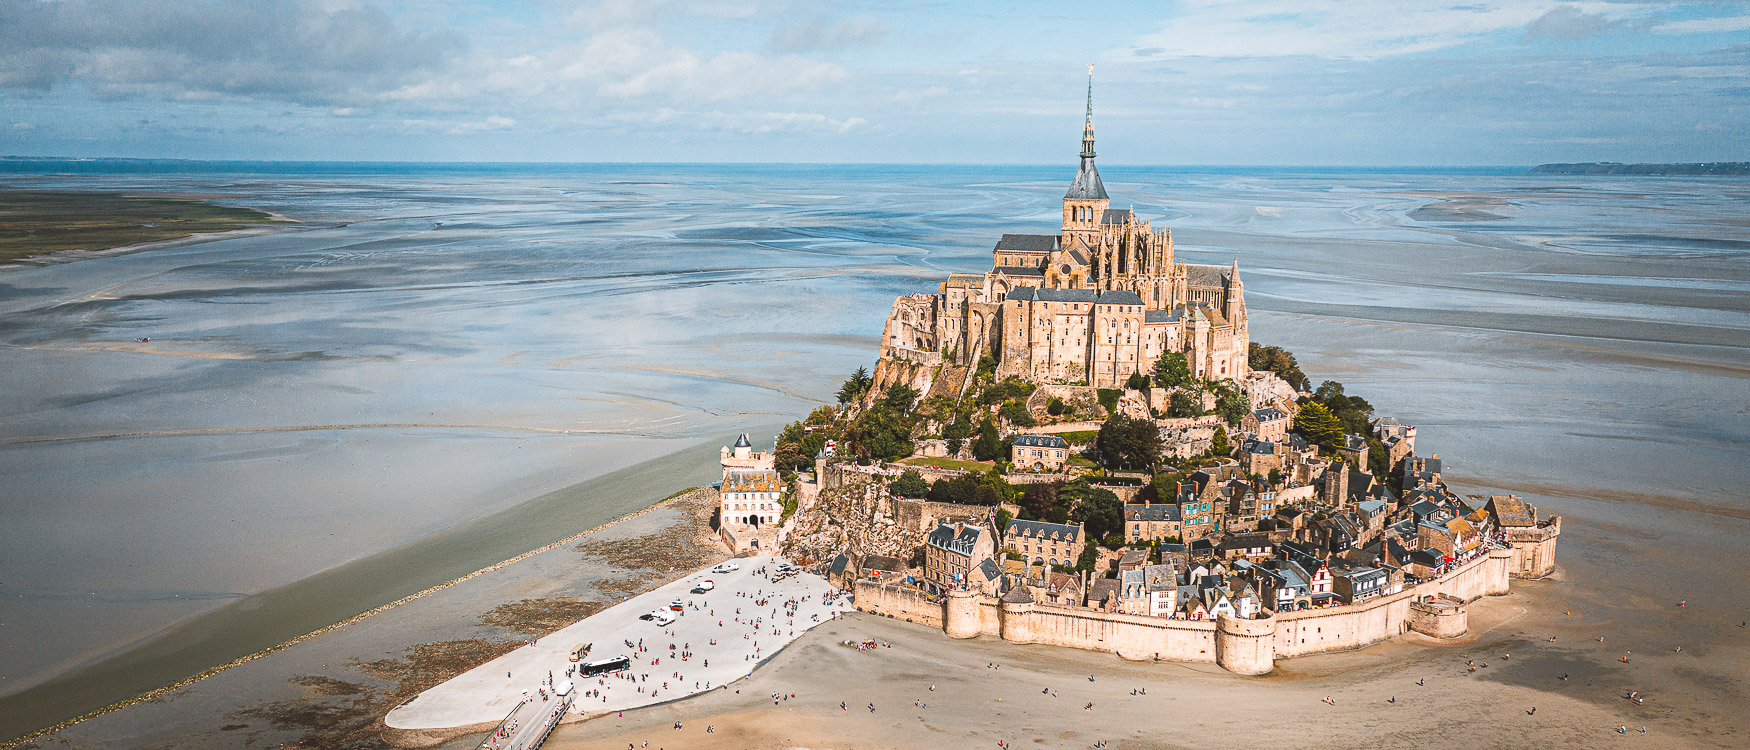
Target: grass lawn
949	463
37	223
1079	437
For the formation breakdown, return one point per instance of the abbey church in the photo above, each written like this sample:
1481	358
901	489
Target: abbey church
1099	300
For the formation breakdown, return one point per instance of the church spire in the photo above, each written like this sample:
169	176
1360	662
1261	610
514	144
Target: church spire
1088	125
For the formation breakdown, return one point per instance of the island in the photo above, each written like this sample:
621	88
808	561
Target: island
1703	169
38	223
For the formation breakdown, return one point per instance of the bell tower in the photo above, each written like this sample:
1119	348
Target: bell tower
1086	200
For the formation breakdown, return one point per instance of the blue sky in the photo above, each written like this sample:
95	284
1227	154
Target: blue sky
1299	82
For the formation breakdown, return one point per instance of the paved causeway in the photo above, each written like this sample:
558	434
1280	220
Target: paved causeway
718	637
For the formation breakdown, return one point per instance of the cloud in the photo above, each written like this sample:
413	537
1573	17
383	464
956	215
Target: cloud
822	34
493	122
1705	25
298	51
1568	22
1344	29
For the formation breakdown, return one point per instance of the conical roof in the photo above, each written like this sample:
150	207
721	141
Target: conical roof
1086	185
743	442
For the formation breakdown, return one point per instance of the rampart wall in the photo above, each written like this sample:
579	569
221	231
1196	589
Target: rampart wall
1241	646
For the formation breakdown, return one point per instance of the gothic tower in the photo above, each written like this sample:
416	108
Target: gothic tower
1086	200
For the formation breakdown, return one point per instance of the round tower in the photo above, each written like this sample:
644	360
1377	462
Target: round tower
960	616
1246	646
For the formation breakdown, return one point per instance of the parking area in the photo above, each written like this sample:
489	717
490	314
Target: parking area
715	637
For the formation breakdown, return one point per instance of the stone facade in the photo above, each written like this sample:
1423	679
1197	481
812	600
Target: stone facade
750	500
1101	299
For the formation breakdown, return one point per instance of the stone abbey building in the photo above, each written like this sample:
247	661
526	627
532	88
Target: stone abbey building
1099	300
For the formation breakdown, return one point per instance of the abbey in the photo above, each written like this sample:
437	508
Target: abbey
1101	299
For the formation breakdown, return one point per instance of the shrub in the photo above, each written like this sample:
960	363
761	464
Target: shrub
1055	407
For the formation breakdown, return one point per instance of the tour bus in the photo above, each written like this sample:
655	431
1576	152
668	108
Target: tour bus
615	664
580	650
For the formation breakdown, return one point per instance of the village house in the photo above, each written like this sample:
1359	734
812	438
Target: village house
1151	522
1051	543
952	552
1039	452
1268	424
1355	585
1058	588
1246	546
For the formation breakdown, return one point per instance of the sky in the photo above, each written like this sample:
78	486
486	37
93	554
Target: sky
1216	82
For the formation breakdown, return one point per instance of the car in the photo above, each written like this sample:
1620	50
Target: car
651	615
728	567
676	605
662	619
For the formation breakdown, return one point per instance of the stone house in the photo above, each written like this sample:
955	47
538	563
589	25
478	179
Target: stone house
1059	588
1355	585
1055	544
1268	424
1039	452
1151	522
1246	546
951	552
1132	559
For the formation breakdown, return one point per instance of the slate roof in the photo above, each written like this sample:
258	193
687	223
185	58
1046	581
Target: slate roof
883	563
1269	414
1028	243
1152	512
946	538
1247	541
1102	589
839	564
1162	316
1018	595
1086	185
988	567
1115	216
1160	577
1078	256
1042	530
1055	295
1118	298
1019	271
742	442
1040	441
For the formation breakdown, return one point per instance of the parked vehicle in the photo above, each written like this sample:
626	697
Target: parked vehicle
727	567
580	650
599	666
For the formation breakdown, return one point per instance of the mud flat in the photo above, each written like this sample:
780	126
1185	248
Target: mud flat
332	689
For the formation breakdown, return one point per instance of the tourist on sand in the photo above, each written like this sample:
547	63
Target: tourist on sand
1532	712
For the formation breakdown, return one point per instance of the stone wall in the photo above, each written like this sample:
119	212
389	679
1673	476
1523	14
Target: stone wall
1439	617
899	602
1241	646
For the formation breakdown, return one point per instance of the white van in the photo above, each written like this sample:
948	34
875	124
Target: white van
727	567
563	689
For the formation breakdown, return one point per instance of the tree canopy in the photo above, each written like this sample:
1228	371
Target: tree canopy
1278	360
1128	442
910	484
1172	370
1100	514
854	388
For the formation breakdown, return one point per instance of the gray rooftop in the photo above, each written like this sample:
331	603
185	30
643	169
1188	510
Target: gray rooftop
1035	243
1086	185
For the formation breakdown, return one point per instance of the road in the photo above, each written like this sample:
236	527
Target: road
717	638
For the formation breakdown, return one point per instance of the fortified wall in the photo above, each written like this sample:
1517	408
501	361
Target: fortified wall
1242	646
1534	548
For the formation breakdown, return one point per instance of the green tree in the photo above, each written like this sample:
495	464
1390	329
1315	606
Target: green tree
1231	404
1101	514
988	446
881	433
1280	361
1316	423
1184	404
1016	413
899	398
1219	446
1129	442
854	388
910	484
962	490
1137	382
1275	477
1038	500
1055	407
1003	519
1172	370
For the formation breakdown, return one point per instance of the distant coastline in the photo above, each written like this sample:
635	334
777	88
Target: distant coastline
1704	169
